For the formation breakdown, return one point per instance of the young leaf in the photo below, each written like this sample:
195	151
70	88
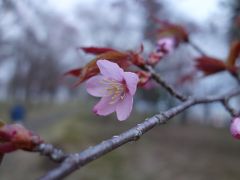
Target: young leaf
209	65
233	53
135	56
73	72
96	50
91	68
136	59
168	29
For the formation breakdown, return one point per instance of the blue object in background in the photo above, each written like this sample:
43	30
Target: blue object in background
17	113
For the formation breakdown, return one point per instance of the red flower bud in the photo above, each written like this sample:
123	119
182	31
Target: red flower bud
16	136
235	128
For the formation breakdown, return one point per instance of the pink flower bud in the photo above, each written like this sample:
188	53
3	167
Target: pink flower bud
163	47
166	45
235	128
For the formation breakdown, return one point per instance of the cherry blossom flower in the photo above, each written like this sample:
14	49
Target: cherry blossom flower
116	88
235	128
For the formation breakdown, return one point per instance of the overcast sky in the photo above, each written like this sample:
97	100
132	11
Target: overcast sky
197	10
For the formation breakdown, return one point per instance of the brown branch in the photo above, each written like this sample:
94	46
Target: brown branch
164	84
76	161
197	48
55	154
235	76
227	106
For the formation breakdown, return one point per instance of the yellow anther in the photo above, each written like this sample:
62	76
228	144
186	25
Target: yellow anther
114	88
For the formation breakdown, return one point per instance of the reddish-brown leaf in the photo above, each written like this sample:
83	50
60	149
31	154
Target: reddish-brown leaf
173	30
96	50
91	69
74	72
210	65
123	59
233	53
136	59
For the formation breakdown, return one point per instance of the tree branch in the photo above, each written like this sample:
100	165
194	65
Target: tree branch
160	81
55	154
227	106
76	161
197	48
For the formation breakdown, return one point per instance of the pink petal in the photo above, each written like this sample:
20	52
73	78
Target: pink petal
131	81
110	69
96	87
124	107
104	106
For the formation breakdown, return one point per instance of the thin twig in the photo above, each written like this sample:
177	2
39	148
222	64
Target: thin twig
164	84
197	48
227	106
235	77
76	161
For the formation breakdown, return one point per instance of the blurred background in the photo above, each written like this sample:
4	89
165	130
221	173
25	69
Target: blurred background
39	42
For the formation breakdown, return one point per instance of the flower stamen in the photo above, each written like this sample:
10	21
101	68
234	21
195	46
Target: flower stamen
115	89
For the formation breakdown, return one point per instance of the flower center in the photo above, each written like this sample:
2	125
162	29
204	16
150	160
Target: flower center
115	89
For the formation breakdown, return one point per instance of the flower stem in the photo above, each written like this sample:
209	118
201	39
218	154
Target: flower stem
197	48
